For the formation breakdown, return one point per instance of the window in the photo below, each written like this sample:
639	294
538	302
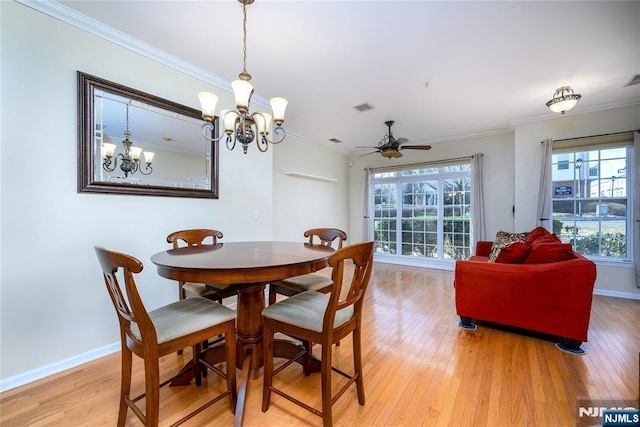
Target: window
422	212
591	202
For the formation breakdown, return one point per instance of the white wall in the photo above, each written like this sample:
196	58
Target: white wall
302	203
54	309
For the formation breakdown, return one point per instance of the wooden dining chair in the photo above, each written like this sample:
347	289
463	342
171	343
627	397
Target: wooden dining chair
198	237
323	319
151	335
311	281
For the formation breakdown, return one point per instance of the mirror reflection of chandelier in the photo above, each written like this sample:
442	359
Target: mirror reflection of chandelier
239	123
129	159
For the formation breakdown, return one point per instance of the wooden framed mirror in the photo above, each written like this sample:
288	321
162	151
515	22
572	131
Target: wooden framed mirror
173	158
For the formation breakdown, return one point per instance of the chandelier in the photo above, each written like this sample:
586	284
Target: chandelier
239	123
563	100
130	158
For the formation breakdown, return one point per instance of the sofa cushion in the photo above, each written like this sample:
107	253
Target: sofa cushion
544	251
535	234
513	253
503	238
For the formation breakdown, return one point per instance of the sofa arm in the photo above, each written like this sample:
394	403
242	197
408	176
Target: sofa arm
552	298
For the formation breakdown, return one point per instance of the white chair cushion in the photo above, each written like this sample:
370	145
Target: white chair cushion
198	289
306	282
184	317
306	310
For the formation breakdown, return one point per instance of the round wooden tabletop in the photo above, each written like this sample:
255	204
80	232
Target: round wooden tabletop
241	262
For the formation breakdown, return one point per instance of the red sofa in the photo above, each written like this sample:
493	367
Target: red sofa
553	298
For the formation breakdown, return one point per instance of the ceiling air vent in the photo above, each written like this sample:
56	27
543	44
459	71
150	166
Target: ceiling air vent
335	140
364	107
635	80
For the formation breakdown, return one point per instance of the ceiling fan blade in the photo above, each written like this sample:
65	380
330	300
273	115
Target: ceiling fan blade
366	154
370	147
416	147
398	155
401	141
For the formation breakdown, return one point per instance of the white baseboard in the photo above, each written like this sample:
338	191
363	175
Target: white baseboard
57	367
617	294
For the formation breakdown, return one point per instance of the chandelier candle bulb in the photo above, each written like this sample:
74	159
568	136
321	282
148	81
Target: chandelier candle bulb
243	91
263	123
208	103
229	120
148	157
135	153
108	149
278	106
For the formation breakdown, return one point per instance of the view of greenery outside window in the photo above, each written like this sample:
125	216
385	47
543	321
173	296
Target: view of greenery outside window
423	212
591	206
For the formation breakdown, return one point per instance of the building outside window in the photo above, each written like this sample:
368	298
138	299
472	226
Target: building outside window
422	212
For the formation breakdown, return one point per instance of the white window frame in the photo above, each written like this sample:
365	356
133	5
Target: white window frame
601	143
398	179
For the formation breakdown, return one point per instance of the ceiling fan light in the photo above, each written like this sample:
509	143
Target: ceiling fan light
563	100
389	153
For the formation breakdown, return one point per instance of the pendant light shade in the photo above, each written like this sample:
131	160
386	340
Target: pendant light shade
563	100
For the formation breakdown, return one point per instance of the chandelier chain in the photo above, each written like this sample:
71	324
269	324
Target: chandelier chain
244	38
126	130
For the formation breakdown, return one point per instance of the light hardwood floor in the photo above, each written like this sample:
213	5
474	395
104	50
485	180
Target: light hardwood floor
420	369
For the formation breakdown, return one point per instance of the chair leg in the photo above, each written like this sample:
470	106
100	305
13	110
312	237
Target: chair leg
181	295
152	389
230	347
327	417
125	384
268	365
306	359
357	364
197	366
272	294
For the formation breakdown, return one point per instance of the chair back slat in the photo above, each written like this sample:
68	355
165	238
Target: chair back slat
194	237
326	236
361	254
131	309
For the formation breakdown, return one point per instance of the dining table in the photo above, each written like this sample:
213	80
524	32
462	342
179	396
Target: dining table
246	267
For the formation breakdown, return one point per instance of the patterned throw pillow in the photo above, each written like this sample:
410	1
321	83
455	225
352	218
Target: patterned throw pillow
503	238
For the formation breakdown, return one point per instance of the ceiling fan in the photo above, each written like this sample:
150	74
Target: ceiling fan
390	147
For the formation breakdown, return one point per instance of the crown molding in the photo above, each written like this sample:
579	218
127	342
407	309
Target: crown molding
67	15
